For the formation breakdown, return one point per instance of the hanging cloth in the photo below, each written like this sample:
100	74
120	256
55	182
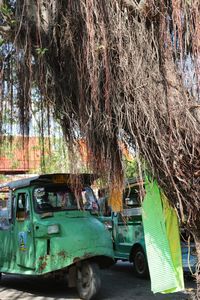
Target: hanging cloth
162	240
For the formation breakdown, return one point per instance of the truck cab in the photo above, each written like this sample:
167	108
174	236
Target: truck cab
51	229
126	229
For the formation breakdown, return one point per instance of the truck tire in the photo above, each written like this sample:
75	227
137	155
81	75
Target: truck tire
88	280
140	264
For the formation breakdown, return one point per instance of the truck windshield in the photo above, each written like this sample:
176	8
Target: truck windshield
59	198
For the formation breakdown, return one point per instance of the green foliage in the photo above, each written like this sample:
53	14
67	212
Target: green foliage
41	51
5	10
131	168
2	41
15	164
7	15
56	161
2	178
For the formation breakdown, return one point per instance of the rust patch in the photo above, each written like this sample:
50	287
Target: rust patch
43	262
43	266
85	256
43	257
62	254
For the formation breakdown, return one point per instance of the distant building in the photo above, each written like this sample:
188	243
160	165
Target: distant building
19	155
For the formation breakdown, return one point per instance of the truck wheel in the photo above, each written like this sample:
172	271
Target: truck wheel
0	276
88	280
140	263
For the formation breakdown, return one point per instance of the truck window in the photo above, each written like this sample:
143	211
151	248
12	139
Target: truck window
131	205
105	209
131	198
5	210
4	219
89	199
54	198
23	207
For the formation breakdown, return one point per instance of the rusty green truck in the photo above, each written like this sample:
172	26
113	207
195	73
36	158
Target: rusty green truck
47	228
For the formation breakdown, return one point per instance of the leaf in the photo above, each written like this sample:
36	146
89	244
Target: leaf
41	51
2	41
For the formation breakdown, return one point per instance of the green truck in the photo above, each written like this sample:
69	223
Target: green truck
48	228
126	230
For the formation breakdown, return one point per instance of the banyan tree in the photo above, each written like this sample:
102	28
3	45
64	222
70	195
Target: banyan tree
113	71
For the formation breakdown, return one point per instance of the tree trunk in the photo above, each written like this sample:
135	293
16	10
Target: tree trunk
110	70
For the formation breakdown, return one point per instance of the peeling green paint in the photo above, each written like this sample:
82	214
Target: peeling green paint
28	247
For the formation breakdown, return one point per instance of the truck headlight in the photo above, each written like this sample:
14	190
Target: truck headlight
53	229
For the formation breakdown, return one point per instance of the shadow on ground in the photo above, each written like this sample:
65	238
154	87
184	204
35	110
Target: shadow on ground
118	283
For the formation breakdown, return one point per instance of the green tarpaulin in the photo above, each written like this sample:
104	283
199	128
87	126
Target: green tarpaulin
162	241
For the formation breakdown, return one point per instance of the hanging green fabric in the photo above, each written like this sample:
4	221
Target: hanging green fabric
173	236
162	241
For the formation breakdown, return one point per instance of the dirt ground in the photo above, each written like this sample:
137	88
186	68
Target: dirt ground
118	283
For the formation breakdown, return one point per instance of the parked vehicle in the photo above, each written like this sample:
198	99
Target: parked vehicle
126	229
52	231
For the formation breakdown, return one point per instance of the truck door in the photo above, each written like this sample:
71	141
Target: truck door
128	229
25	249
6	231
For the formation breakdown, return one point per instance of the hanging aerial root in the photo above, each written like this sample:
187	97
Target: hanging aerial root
116	196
